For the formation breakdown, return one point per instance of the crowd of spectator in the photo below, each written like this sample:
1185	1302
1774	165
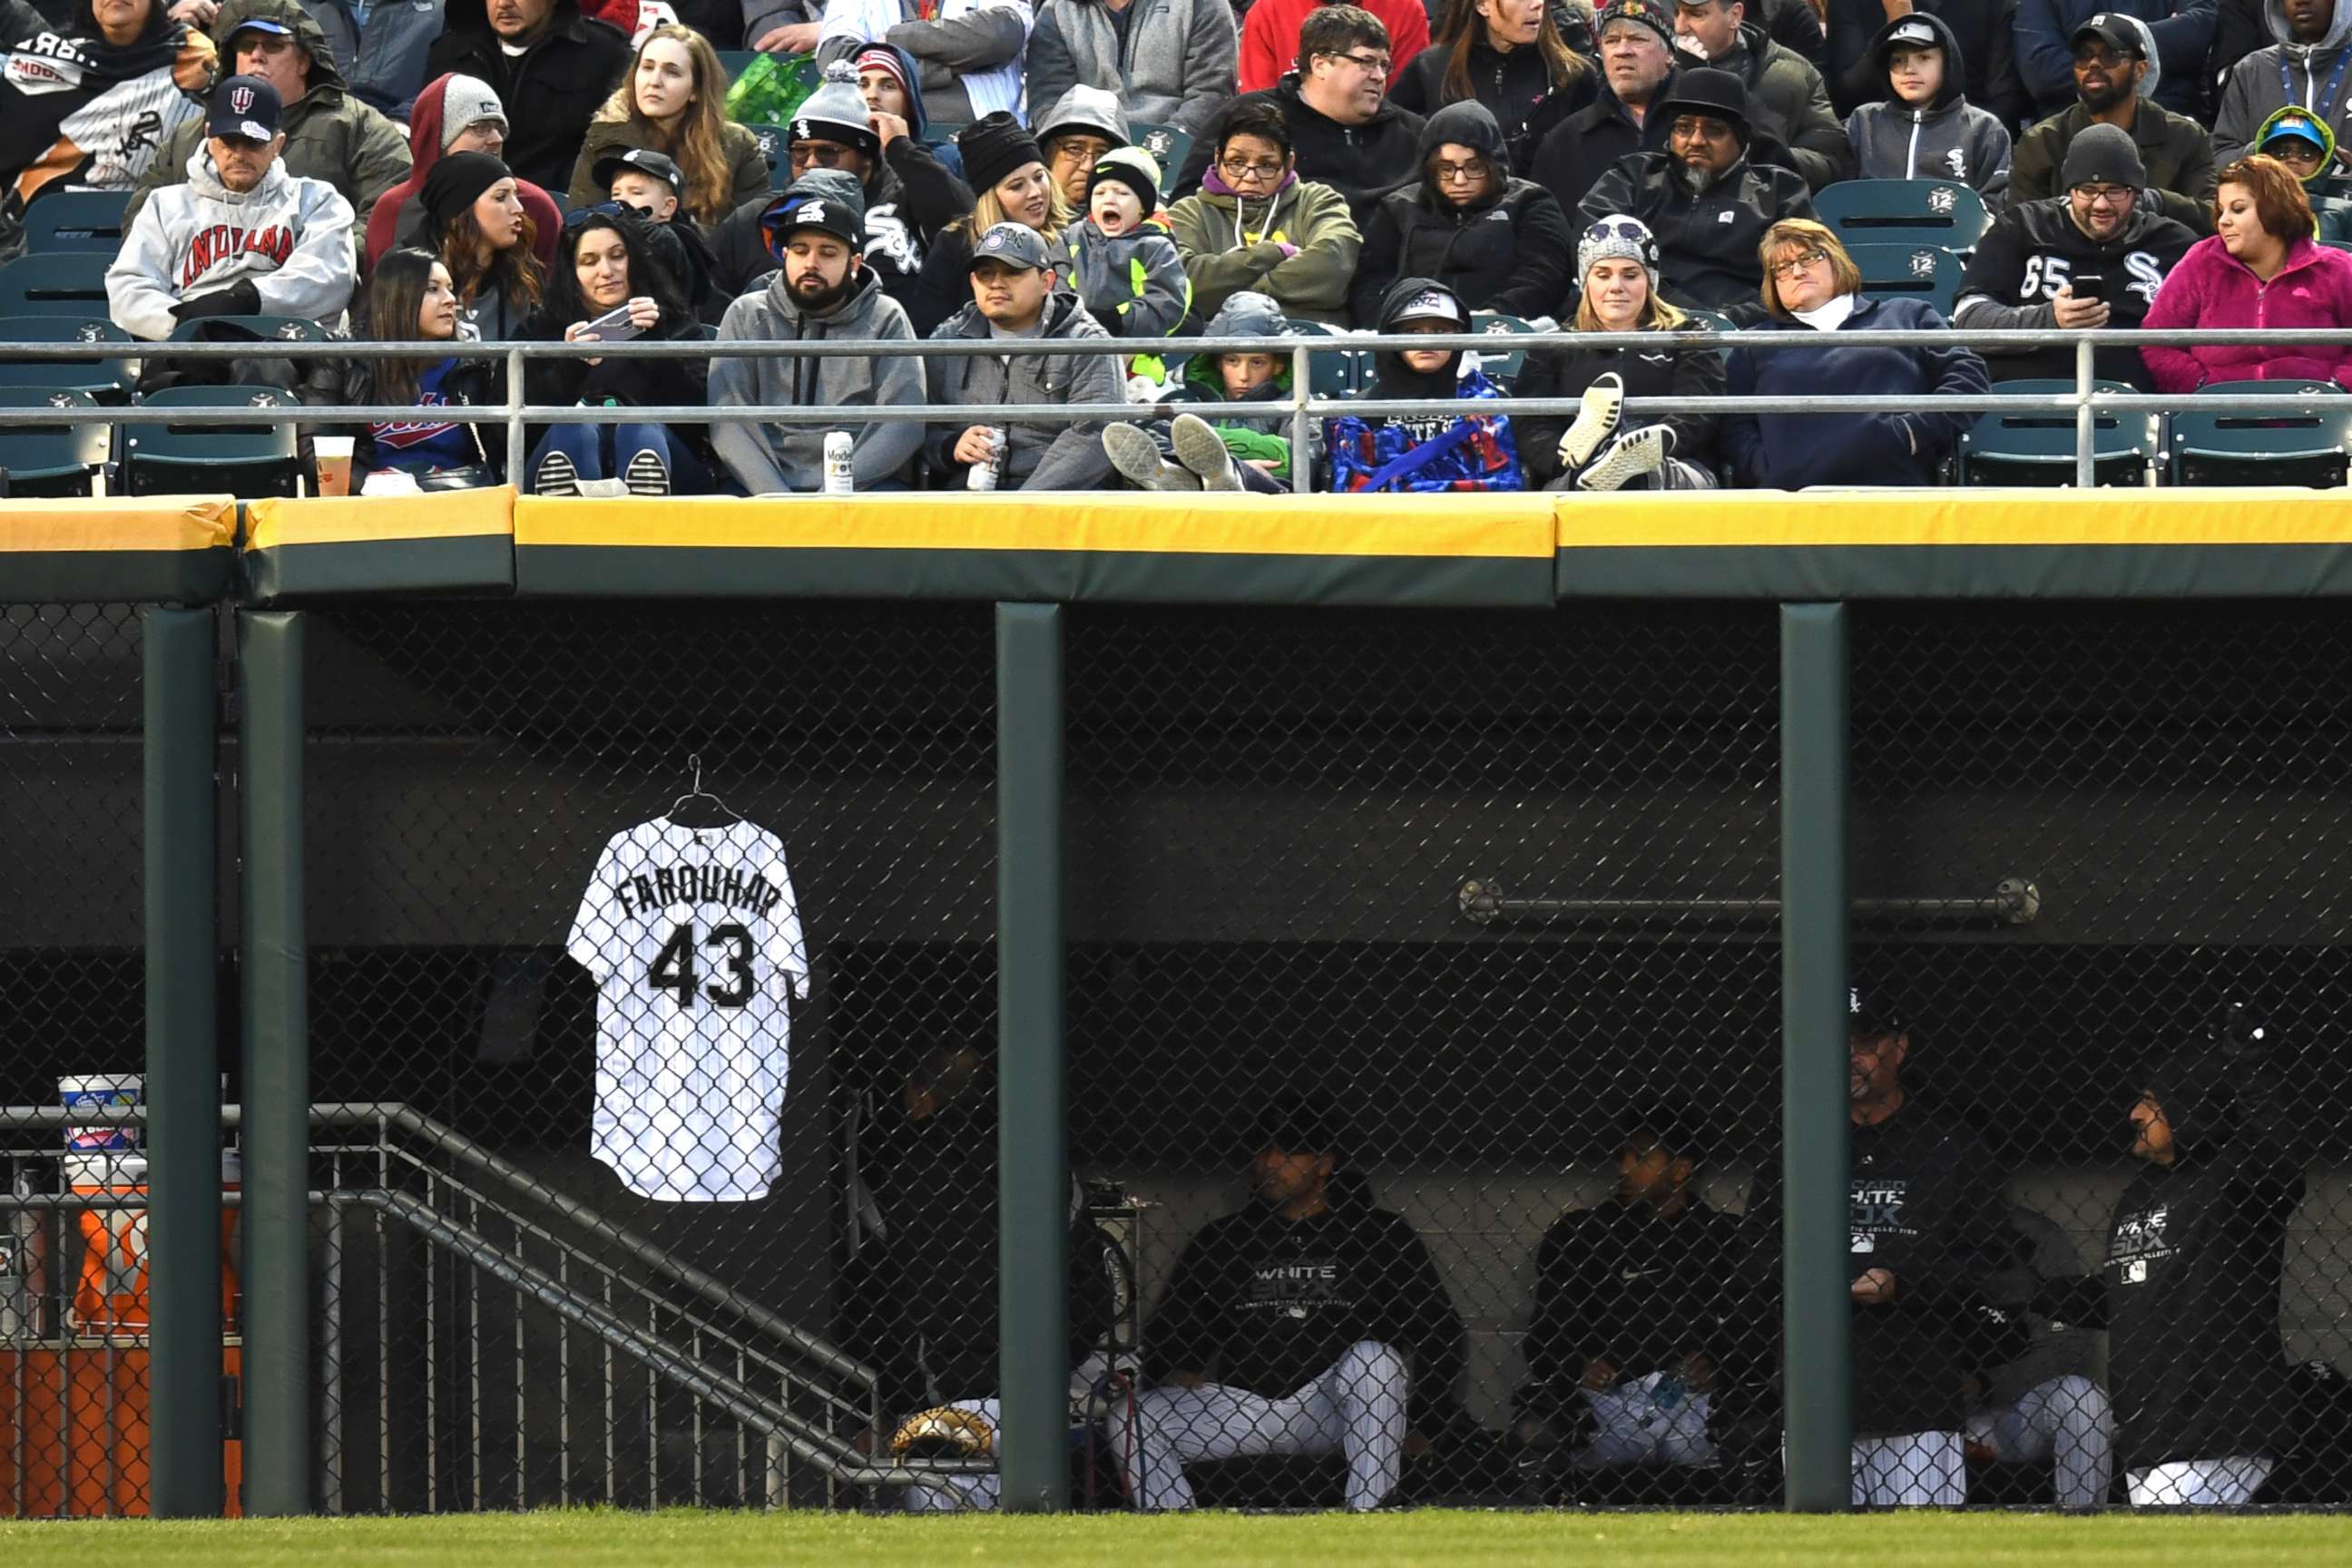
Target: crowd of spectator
569	170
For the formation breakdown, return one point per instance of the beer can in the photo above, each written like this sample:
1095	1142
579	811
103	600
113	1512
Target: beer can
986	476
839	477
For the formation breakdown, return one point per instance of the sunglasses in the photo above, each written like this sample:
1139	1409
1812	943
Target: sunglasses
1626	228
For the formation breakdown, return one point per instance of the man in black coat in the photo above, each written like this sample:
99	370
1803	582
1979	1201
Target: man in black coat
1786	98
1703	198
549	64
1637	68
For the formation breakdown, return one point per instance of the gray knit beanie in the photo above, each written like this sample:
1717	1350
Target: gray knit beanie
1618	238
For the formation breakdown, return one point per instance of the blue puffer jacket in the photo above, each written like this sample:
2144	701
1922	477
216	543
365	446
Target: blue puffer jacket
1789	452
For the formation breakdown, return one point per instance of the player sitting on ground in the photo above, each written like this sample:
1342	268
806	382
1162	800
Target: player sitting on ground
1309	1323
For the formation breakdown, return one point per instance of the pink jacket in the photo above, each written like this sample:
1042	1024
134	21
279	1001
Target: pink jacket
2211	287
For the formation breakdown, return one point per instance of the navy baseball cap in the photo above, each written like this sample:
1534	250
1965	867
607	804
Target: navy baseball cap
244	107
644	161
1871	1015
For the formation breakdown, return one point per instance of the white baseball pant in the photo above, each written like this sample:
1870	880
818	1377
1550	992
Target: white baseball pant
2067	1420
1916	1469
2199	1483
1629	1429
1356	1408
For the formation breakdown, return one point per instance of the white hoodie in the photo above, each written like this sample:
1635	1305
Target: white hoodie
290	236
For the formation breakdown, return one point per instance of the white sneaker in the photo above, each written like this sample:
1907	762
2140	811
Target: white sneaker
1596	421
1200	449
556	476
1631	455
1136	455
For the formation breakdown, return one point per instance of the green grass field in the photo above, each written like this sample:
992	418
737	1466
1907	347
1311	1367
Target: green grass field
588	1539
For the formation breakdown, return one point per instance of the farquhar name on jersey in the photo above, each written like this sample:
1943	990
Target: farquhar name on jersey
644	892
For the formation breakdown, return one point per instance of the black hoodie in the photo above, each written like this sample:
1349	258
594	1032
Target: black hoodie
2193	1267
1514	86
1268	1304
1362	163
1622	1283
1510	252
2036	248
551	89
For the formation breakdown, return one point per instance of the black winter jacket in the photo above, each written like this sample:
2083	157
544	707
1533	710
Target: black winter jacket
1571	155
1706	258
1362	163
1662	371
1788	101
1511	252
2193	1266
1514	88
549	92
2034	250
1265	1304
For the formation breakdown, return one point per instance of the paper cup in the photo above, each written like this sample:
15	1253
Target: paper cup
334	456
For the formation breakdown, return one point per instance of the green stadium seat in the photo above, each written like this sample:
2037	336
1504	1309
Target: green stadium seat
60	459
1921	272
2305	441
1902	212
1500	365
1337	373
283	329
107	380
246	460
55	284
736	61
2038	448
74	222
1168	146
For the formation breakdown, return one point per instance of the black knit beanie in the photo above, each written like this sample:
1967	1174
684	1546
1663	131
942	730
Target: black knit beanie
993	146
457	182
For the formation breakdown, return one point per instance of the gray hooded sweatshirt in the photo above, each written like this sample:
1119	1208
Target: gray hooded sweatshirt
1950	139
2317	77
1171	62
1040	457
771	457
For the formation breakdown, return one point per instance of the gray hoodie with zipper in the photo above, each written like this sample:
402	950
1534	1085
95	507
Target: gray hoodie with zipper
1948	139
2317	77
771	457
1038	456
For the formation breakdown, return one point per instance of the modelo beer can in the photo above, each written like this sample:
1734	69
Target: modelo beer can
984	475
839	477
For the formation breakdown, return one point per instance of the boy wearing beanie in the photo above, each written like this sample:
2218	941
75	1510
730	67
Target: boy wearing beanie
1121	260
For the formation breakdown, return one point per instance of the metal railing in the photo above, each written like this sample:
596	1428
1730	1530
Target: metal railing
2084	401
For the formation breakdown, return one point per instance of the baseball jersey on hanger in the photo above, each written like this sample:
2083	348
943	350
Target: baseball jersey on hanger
694	939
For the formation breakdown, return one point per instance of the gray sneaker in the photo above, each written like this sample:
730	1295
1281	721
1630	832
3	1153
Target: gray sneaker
1136	455
556	476
1200	449
1628	458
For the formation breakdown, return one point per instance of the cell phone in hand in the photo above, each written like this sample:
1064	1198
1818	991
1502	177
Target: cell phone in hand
614	326
2091	286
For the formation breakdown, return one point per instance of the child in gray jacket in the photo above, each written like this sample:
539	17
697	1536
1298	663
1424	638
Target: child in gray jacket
1121	260
1926	128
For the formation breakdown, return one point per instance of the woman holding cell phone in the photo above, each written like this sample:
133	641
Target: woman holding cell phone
612	286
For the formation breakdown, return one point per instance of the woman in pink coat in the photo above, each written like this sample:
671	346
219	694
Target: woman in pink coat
2261	268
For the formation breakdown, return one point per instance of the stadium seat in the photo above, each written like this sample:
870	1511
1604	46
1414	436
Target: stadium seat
1502	364
1919	272
776	151
52	459
106	380
2305	442
2037	448
246	460
1902	212
74	222
1332	374
284	328
735	61
1712	321
55	284
1168	146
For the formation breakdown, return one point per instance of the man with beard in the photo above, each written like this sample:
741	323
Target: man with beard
2114	70
1707	206
822	290
2032	268
1636	51
908	194
1786	98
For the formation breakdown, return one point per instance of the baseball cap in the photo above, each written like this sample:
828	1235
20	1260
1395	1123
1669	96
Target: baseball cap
256	25
1871	1014
644	161
1429	305
1911	30
1015	245
2114	29
244	107
837	214
2295	127
1298	1123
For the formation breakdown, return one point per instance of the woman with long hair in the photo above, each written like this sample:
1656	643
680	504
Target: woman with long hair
609	263
674	101
1617	264
1507	54
1812	285
2259	269
1007	170
476	226
410	299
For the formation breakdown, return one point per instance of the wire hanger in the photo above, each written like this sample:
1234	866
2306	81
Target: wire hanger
696	792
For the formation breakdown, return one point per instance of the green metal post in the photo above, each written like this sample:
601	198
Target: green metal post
1816	1303
1033	1181
276	1127
183	1201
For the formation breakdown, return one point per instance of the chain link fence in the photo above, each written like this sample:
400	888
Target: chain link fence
73	1301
